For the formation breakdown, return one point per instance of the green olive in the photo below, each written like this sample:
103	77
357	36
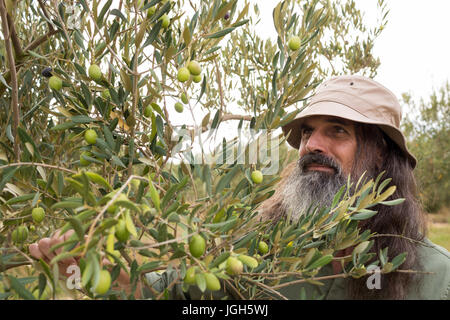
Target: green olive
263	247
95	73
183	74
257	176
55	83
20	234
104	282
189	278
194	68
212	282
90	136
38	214
294	43
197	245
234	266
122	233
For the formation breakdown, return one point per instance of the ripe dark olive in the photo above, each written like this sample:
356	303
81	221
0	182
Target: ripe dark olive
227	16
47	72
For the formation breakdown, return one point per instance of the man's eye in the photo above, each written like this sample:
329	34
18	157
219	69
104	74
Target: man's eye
339	129
306	131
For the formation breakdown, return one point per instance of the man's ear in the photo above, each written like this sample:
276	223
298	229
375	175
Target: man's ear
379	159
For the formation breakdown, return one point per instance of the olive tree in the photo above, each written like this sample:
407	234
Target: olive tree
89	91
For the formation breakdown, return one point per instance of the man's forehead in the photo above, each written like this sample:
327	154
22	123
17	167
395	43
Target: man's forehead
328	119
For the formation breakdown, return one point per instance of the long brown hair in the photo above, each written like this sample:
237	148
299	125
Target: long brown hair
406	219
376	152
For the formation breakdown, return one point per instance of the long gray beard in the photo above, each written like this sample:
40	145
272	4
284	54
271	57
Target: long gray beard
306	190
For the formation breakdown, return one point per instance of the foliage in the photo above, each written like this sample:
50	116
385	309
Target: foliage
127	173
427	129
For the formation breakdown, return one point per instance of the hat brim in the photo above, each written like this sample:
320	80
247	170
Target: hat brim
330	108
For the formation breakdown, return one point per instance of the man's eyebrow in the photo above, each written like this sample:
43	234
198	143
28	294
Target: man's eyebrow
339	121
304	126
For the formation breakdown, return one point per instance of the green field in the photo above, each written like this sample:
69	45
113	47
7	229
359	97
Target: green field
440	235
439	228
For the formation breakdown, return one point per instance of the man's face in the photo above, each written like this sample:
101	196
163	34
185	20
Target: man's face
330	136
326	157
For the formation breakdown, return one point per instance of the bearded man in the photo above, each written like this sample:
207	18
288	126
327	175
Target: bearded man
351	126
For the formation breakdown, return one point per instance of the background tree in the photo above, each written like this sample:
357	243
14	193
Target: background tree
427	128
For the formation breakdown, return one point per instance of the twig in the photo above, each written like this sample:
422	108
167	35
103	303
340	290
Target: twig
168	287
110	202
15	265
233	288
31	46
341	275
135	99
44	10
15	40
401	236
229	116
266	287
414	271
23	254
65	32
97	29
37	165
219	82
13	74
36	43
113	41
126	256
158	244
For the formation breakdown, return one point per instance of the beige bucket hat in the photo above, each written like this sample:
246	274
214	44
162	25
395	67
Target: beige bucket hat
355	98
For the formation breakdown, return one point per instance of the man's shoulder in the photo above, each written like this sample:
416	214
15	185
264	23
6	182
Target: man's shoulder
430	250
435	262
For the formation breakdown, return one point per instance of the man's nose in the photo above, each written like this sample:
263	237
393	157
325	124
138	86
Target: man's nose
316	143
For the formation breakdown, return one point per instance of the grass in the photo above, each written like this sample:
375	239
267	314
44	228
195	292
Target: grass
439	228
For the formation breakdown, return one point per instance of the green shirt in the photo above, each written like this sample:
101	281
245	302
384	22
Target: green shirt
434	285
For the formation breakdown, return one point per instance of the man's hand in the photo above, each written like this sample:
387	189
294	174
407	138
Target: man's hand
41	250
